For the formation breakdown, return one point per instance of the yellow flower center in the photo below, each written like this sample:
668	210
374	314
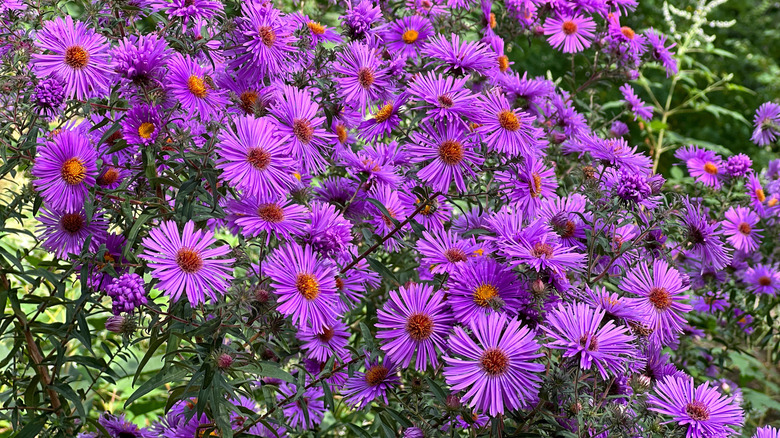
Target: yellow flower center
197	87
73	171
384	113
316	28
484	293
508	120
145	130
451	152
308	286
710	168
410	36
76	57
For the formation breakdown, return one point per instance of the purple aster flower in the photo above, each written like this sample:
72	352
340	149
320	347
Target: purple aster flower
632	187
565	217
494	364
453	151
332	341
528	184
318	32
383	224
191	84
661	298
358	19
121	428
141	60
328	233
660	53
637	106
710	302
363	388
762	279
706	166
618	129
372	166
611	152
433	216
266	39
540	248
767	123
65	169
304	284
738	165
767	432
704	237
271	214
506	130
444	97
702	409
483	285
254	158
65	232
414	320
363	80
311	401
405	36
573	32
383	119
576	328
48	96
184	263
142	125
624	36
190	11
740	228
459	57
78	57
127	293
298	122
444	250
614	305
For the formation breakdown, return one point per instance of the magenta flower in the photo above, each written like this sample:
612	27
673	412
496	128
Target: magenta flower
270	215
443	97
414	320
767	124
184	263
528	184
298	122
305	286
702	409
660	52
461	58
507	130
637	105
443	251
362	78
78	57
453	151
740	228
65	169
495	364
574	33
404	37
331	341
65	232
577	329
363	388
763	279
483	285
189	82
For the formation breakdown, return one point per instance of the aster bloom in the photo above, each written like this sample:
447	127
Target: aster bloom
767	124
318	32
383	118
183	262
710	302
141	60
576	328
506	130
271	215
405	36
78	57
414	320
763	279
304	285
328	232
363	78
637	105
740	228
433	215
298	122
661	293
494	364
120	427
574	33
702	409
528	184
738	165
331	341
142	125
190	83
359	18
311	401
704	237
611	152
444	250
459	57
624	36
540	248
767	432
65	232
254	158
127	293
565	217
65	169
613	305
48	96
706	166
363	388
660	52
483	285
443	97
453	151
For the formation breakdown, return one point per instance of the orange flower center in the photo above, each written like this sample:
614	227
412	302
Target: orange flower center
697	410
316	28
384	113
419	326
376	375
365	77
535	185
760	195
197	87
110	176
710	168
764	280
341	133
248	99
542	249
145	130
72	222
189	260
744	228
303	130
484	293
660	298
451	152
73	171
627	32
271	213
308	286
76	57
267	35
455	255
494	361
569	27
446	101
503	63
508	120
260	159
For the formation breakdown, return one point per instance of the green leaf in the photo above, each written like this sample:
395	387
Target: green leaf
270	369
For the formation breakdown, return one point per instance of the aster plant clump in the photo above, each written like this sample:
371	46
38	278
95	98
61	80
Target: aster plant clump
360	218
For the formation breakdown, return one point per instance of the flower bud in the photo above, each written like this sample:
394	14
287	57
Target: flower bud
120	324
538	287
453	402
224	361
640	383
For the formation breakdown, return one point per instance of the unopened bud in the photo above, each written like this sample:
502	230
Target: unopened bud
538	287
262	296
224	361
640	383
453	402
120	324
576	407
